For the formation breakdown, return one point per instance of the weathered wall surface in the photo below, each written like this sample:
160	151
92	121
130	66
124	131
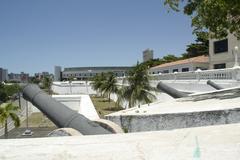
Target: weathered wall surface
196	86
205	143
154	122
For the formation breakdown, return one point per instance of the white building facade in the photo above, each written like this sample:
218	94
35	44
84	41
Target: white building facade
222	52
186	65
3	74
57	73
147	55
83	73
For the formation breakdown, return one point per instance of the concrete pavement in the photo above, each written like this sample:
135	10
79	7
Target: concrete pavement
205	143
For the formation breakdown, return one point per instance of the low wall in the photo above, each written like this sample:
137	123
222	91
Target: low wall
196	86
154	122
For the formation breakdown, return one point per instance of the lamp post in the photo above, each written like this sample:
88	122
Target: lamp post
89	76
236	64
70	86
27	132
19	100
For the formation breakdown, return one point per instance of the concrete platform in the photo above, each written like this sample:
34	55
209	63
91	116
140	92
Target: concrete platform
210	108
205	143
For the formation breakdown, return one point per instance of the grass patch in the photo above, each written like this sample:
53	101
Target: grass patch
38	120
103	107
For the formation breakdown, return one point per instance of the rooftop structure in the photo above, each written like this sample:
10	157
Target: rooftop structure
185	65
57	73
82	73
41	75
147	55
22	77
202	109
3	74
212	142
222	52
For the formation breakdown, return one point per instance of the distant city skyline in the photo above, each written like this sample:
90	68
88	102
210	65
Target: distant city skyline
37	35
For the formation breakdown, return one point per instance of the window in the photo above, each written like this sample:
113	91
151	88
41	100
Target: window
175	70
185	69
166	71
221	46
220	66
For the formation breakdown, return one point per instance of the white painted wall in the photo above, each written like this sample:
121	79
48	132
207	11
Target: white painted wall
212	143
80	103
76	87
225	57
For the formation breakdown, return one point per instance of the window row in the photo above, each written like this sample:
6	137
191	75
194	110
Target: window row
87	74
174	70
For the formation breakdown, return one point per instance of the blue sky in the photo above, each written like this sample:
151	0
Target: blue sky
35	35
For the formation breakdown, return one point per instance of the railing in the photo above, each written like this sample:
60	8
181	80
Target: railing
215	74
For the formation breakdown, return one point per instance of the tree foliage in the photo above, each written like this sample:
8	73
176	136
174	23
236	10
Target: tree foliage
218	17
8	110
200	47
98	82
47	83
7	91
109	86
137	90
169	58
34	80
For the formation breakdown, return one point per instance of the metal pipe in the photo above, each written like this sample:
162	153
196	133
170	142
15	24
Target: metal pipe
171	91
214	85
59	114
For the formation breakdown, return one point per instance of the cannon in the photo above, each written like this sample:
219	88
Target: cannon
171	91
59	114
214	85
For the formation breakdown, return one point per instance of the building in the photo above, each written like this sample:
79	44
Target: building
22	77
185	65
40	76
57	73
222	52
147	55
82	73
3	74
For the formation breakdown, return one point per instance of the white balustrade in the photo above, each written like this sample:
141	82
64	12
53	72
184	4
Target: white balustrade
214	74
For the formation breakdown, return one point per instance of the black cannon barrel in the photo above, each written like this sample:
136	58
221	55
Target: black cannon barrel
171	91
59	114
214	85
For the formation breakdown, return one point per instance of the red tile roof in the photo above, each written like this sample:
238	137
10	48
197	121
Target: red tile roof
199	59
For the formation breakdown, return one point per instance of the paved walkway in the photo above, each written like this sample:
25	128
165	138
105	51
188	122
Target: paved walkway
37	132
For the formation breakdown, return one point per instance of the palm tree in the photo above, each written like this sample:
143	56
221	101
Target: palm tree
109	86
98	82
70	79
8	110
47	83
137	90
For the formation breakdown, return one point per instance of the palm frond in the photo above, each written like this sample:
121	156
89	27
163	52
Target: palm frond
15	119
